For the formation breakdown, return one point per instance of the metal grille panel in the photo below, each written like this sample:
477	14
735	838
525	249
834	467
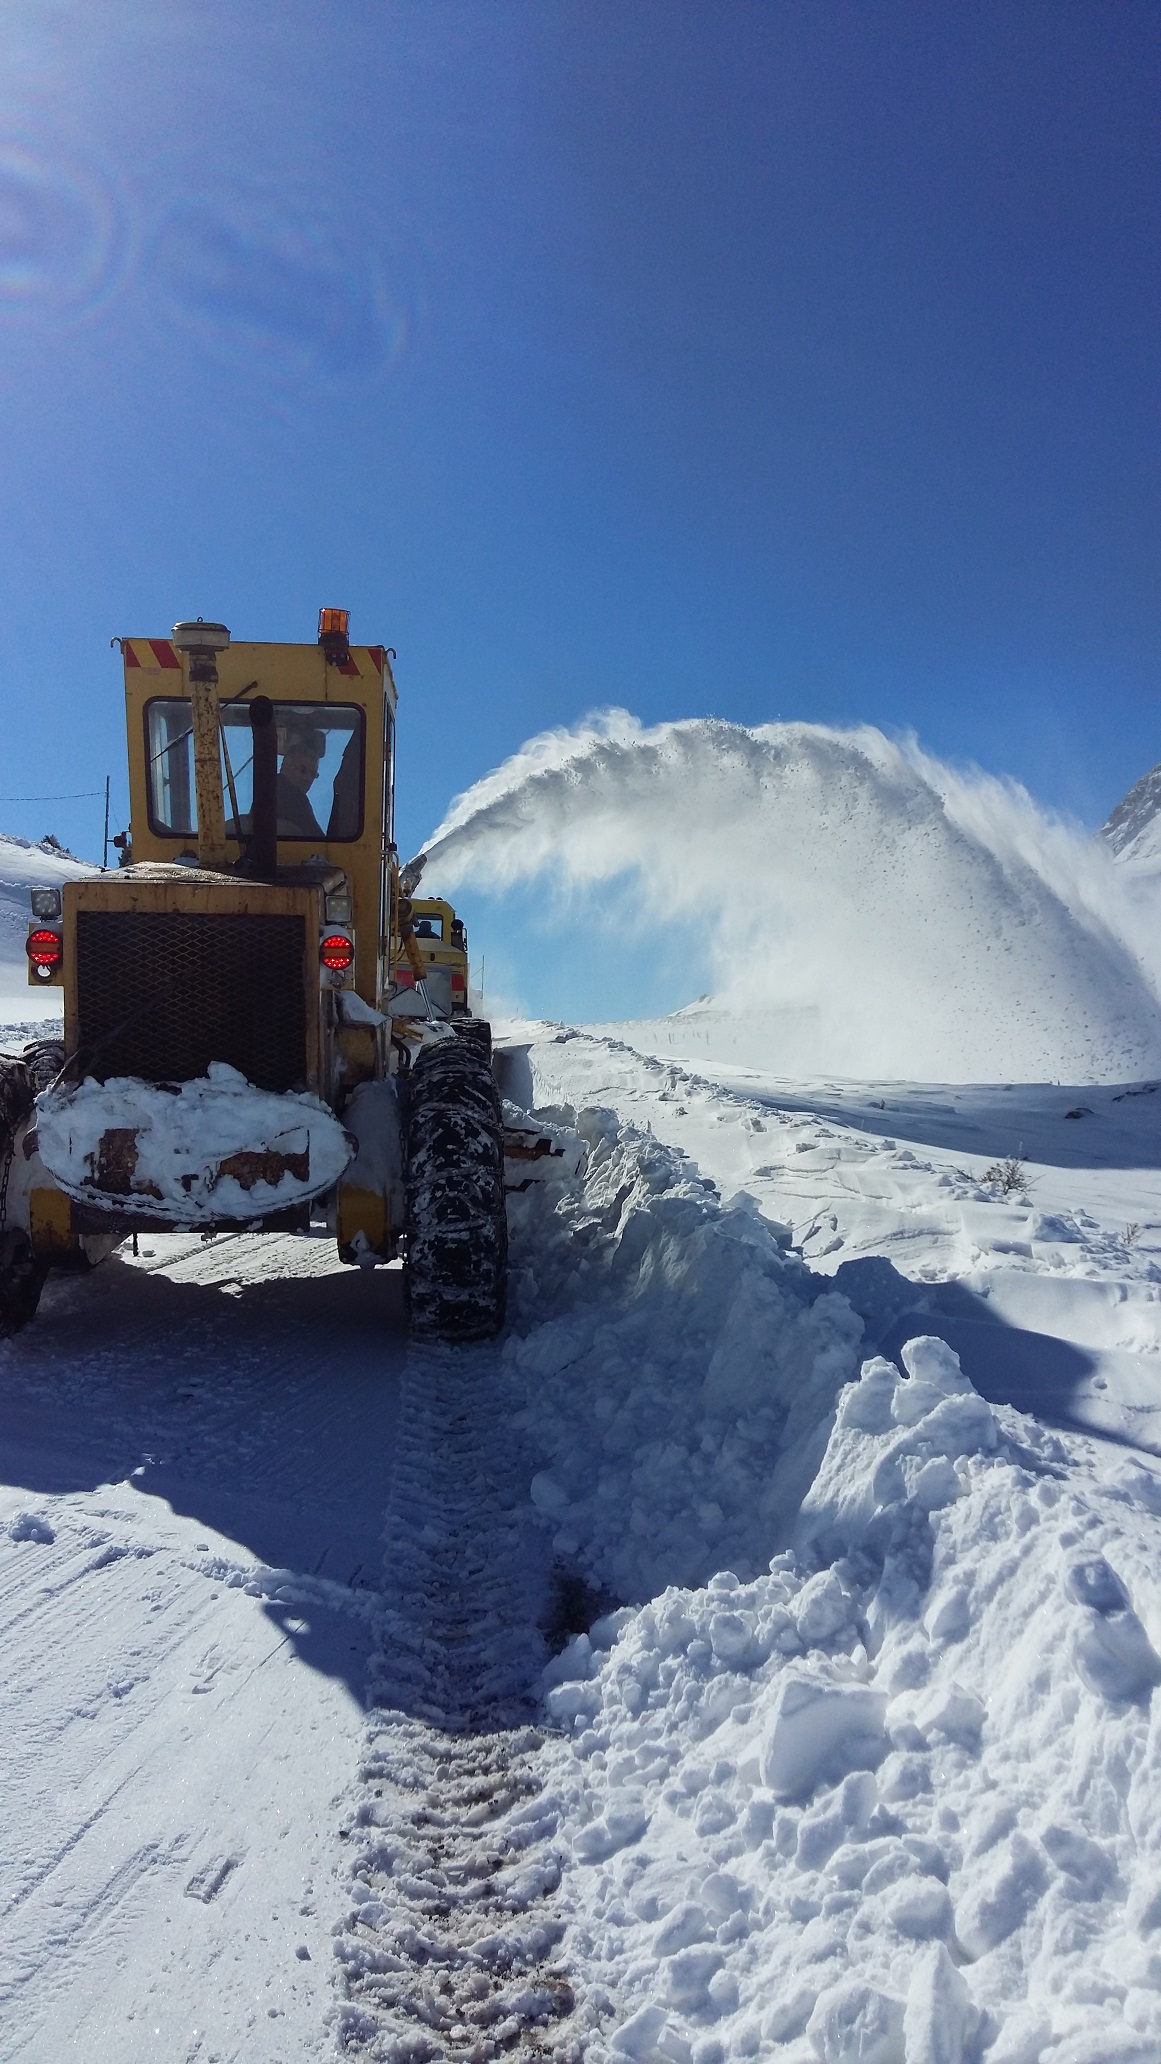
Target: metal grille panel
161	994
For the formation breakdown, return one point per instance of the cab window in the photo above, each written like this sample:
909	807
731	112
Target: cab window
428	925
320	770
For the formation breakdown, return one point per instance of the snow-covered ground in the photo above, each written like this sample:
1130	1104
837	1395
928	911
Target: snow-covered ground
849	1749
897	1795
753	1653
195	1449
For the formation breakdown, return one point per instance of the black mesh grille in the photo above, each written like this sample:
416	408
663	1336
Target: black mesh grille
161	994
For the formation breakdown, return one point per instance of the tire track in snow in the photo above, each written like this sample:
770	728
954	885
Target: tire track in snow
451	1947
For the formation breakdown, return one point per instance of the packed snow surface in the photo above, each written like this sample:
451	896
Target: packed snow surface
904	918
855	1757
754	1653
200	1151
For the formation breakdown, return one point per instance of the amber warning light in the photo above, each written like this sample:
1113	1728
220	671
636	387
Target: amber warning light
333	625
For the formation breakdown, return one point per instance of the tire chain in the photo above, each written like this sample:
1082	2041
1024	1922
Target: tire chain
457	1249
21	1080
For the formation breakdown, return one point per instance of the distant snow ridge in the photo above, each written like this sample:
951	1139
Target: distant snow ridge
909	919
1134	828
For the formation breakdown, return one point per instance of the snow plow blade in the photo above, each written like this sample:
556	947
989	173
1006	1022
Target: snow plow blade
198	1153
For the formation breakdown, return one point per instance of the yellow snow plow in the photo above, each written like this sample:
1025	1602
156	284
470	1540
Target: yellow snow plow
262	1028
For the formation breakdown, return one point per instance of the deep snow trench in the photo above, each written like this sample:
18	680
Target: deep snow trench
654	1685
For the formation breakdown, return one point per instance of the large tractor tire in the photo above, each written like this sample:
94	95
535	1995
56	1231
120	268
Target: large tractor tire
457	1237
22	1279
21	1274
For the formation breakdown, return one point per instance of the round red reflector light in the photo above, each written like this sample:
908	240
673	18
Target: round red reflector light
45	949
337	952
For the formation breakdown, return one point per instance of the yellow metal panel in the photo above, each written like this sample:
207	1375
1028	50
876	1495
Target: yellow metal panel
50	1226
187	889
362	1211
286	673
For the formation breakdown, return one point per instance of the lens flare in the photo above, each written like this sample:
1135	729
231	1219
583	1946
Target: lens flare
278	293
63	236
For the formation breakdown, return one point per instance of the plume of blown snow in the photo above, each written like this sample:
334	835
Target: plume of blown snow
917	920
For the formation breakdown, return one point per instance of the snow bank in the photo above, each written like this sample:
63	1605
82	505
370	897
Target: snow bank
678	1401
897	1799
872	1773
919	921
215	1148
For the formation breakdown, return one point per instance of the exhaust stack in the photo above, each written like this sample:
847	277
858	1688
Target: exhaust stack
200	643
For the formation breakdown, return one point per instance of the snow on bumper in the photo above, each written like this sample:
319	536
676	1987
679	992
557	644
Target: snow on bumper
197	1152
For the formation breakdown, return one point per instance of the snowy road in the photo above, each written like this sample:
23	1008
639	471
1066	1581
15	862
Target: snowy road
197	1452
289	1773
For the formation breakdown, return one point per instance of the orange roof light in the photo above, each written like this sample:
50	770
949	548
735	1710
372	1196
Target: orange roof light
333	623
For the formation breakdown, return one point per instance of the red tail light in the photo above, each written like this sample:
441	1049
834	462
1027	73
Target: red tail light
45	949
337	952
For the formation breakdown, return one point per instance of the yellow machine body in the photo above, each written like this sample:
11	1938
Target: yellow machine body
299	675
440	945
135	959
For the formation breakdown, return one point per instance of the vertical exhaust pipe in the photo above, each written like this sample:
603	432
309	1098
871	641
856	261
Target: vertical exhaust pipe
264	803
201	643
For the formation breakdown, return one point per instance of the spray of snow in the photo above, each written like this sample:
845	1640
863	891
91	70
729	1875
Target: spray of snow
909	919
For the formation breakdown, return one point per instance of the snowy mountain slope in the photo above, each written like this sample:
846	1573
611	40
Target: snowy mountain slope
1134	827
24	866
906	919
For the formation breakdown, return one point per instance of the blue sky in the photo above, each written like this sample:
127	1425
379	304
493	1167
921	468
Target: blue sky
737	358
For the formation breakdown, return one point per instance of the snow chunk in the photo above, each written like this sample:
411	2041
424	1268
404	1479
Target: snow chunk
820	1730
854	2024
622	1823
940	2018
649	2037
30	1526
997	1904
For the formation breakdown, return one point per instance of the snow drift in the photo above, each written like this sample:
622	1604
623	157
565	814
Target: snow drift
906	918
677	1402
889	1794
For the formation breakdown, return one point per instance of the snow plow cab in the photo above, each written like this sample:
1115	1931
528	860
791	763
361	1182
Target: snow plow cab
262	1030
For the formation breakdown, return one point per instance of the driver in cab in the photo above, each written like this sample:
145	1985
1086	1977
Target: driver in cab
302	752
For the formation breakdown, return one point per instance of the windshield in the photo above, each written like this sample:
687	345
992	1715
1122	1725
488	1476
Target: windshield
320	769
